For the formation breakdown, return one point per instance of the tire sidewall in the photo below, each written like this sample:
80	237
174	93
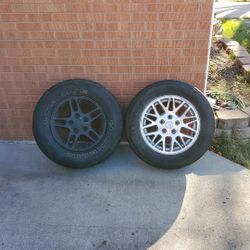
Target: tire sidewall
42	116
193	95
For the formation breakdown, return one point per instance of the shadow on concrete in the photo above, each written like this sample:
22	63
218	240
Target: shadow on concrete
120	204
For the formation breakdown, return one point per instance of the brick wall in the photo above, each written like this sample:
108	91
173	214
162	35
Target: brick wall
124	44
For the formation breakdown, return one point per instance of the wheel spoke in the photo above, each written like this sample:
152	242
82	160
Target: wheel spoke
172	144
176	141
163	144
182	141
94	114
189	128
169	100
151	114
155	110
72	138
187	136
61	122
160	140
152	121
178	108
188	123
154	139
91	133
74	105
151	133
183	116
163	107
149	125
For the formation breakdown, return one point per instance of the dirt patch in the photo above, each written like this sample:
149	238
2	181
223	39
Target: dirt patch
226	81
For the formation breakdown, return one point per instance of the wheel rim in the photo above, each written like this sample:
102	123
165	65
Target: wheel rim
78	123
170	124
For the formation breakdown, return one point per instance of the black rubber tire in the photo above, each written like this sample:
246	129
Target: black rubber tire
170	87
84	89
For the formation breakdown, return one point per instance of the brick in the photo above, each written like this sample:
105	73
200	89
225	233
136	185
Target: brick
228	119
245	60
159	7
56	44
67	35
113	17
246	67
13	17
125	45
44	17
241	53
140	17
39	8
28	26
31	44
8	44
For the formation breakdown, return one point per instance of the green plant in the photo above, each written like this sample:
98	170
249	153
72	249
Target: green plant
237	30
231	100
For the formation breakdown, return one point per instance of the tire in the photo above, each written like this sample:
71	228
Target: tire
170	124
77	123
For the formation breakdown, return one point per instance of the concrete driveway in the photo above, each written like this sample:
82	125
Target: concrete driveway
121	204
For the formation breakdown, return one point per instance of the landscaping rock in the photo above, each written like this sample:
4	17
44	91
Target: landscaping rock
241	53
244	60
243	133
229	119
247	111
223	132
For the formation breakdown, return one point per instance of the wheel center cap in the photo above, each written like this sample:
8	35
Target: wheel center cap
169	125
78	122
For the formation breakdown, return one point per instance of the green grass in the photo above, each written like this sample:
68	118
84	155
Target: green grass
232	149
237	30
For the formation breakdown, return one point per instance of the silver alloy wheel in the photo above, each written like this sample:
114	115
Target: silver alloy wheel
170	124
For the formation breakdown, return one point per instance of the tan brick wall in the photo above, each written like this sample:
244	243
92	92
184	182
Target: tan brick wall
124	44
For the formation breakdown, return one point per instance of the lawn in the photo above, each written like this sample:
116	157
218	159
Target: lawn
237	30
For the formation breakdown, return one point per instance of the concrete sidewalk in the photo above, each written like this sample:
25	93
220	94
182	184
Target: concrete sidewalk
224	9
121	204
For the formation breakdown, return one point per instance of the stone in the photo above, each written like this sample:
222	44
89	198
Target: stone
244	60
243	133
229	119
247	110
222	132
246	67
232	43
241	53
